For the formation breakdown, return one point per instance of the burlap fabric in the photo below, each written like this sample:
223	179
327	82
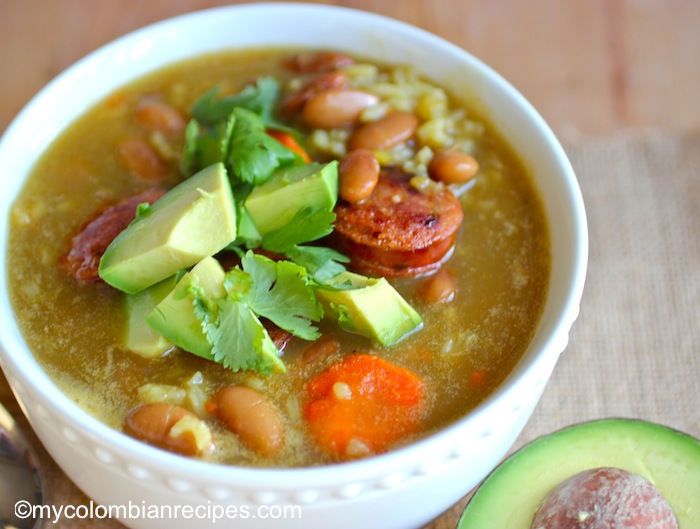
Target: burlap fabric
635	349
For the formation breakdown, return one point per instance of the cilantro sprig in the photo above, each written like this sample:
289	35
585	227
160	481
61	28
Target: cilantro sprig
308	224
259	98
232	129
253	154
260	288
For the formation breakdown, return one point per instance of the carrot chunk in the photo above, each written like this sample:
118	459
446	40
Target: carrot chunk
290	142
362	405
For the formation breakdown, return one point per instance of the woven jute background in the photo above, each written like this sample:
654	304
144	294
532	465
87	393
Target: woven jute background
635	349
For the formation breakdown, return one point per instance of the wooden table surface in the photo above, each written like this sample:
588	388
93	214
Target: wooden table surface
593	68
590	66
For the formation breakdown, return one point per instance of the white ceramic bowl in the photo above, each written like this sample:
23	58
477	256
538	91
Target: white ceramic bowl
400	490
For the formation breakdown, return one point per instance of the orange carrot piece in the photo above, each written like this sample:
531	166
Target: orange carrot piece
290	142
478	378
363	404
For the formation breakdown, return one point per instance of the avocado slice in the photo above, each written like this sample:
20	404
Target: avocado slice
370	307
174	317
195	219
140	337
248	233
289	189
668	459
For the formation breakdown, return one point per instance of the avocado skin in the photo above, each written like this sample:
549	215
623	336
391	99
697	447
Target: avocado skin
511	494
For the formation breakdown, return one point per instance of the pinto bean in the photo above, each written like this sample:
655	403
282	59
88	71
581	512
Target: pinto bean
453	167
294	102
155	115
139	158
358	175
316	62
248	414
439	287
384	133
335	108
169	427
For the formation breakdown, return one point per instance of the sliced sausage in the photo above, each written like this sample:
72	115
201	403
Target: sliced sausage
83	258
399	230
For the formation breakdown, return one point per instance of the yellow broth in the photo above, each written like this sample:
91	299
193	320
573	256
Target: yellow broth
465	349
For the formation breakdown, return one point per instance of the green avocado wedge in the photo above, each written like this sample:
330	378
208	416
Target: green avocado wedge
370	307
274	203
512	493
193	220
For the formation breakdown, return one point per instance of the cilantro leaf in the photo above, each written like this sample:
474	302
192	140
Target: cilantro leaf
205	144
205	308
210	109
307	224
343	313
242	343
282	294
260	287
238	338
320	262
142	210
259	98
232	129
238	284
254	155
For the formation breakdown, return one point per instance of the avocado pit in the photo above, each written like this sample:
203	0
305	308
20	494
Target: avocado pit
605	498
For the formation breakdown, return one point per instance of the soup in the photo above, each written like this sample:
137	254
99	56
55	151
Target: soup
435	204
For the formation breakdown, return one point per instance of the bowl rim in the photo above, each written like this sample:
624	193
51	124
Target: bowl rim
402	456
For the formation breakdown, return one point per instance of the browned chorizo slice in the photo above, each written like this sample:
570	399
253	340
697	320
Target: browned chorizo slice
399	230
83	258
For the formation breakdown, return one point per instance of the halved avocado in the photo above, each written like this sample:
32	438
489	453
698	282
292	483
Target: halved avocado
510	496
